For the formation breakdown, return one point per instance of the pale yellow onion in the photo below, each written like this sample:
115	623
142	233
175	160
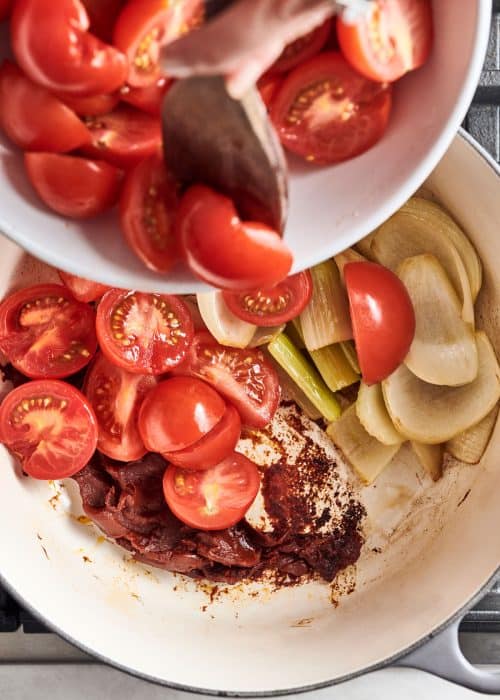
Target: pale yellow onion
365	244
430	457
470	445
372	413
433	414
226	328
263	335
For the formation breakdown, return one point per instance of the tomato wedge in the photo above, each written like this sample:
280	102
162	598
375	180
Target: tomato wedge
148	205
302	48
213	499
383	319
326	112
224	251
102	16
5	9
33	118
46	333
149	98
82	289
268	85
123	137
93	106
116	397
243	376
50	427
274	306
394	37
144	26
74	187
53	47
144	333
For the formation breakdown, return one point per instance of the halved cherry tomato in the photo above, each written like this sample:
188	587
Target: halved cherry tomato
144	26
93	106
144	333
213	499
82	289
243	376
148	205
327	112
383	319
273	306
53	47
178	412
5	9
116	397
303	48
268	85
74	187
149	98
123	137
213	448
33	118
224	251
51	428
46	333
394	37
102	16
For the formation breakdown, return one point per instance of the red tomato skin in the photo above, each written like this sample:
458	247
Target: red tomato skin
34	119
383	318
102	16
77	188
5	9
93	106
268	86
303	48
149	98
82	289
213	447
77	62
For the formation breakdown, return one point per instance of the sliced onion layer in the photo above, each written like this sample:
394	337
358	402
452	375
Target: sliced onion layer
430	457
373	415
225	327
470	445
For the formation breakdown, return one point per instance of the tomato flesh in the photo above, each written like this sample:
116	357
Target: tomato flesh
46	333
82	289
302	48
102	16
383	318
5	9
148	98
93	106
144	333
215	498
50	427
268	85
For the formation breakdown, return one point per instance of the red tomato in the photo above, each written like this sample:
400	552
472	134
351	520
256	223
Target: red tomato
82	289
213	499
149	98
303	48
148	204
93	106
268	85
144	333
394	37
53	47
243	377
213	448
45	333
5	9
102	16
144	26
327	112
123	137
33	118
116	397
50	427
224	251
273	306
73	187
383	319
178	412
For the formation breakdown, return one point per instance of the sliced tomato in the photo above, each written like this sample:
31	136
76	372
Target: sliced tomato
93	106
52	45
178	412
46	333
144	333
224	251
213	499
268	85
327	112
33	118
116	397
213	448
50	427
148	205
74	187
144	26
303	48
5	9
383	319
102	16
390	39
273	306
150	98
123	137
82	289
243	376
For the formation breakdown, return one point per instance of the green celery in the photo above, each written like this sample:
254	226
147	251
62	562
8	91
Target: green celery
334	367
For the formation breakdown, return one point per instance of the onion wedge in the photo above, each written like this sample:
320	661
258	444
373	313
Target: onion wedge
373	415
470	445
433	414
443	350
430	457
226	328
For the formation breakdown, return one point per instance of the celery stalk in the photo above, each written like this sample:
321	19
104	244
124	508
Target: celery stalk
334	367
326	320
292	392
305	376
294	332
350	352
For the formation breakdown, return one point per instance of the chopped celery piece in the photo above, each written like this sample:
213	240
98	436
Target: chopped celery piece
264	335
292	392
305	376
334	367
352	357
294	332
326	320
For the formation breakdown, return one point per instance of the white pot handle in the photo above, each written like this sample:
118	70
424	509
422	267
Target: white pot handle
442	656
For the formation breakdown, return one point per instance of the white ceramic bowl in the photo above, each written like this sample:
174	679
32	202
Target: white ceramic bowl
330	208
